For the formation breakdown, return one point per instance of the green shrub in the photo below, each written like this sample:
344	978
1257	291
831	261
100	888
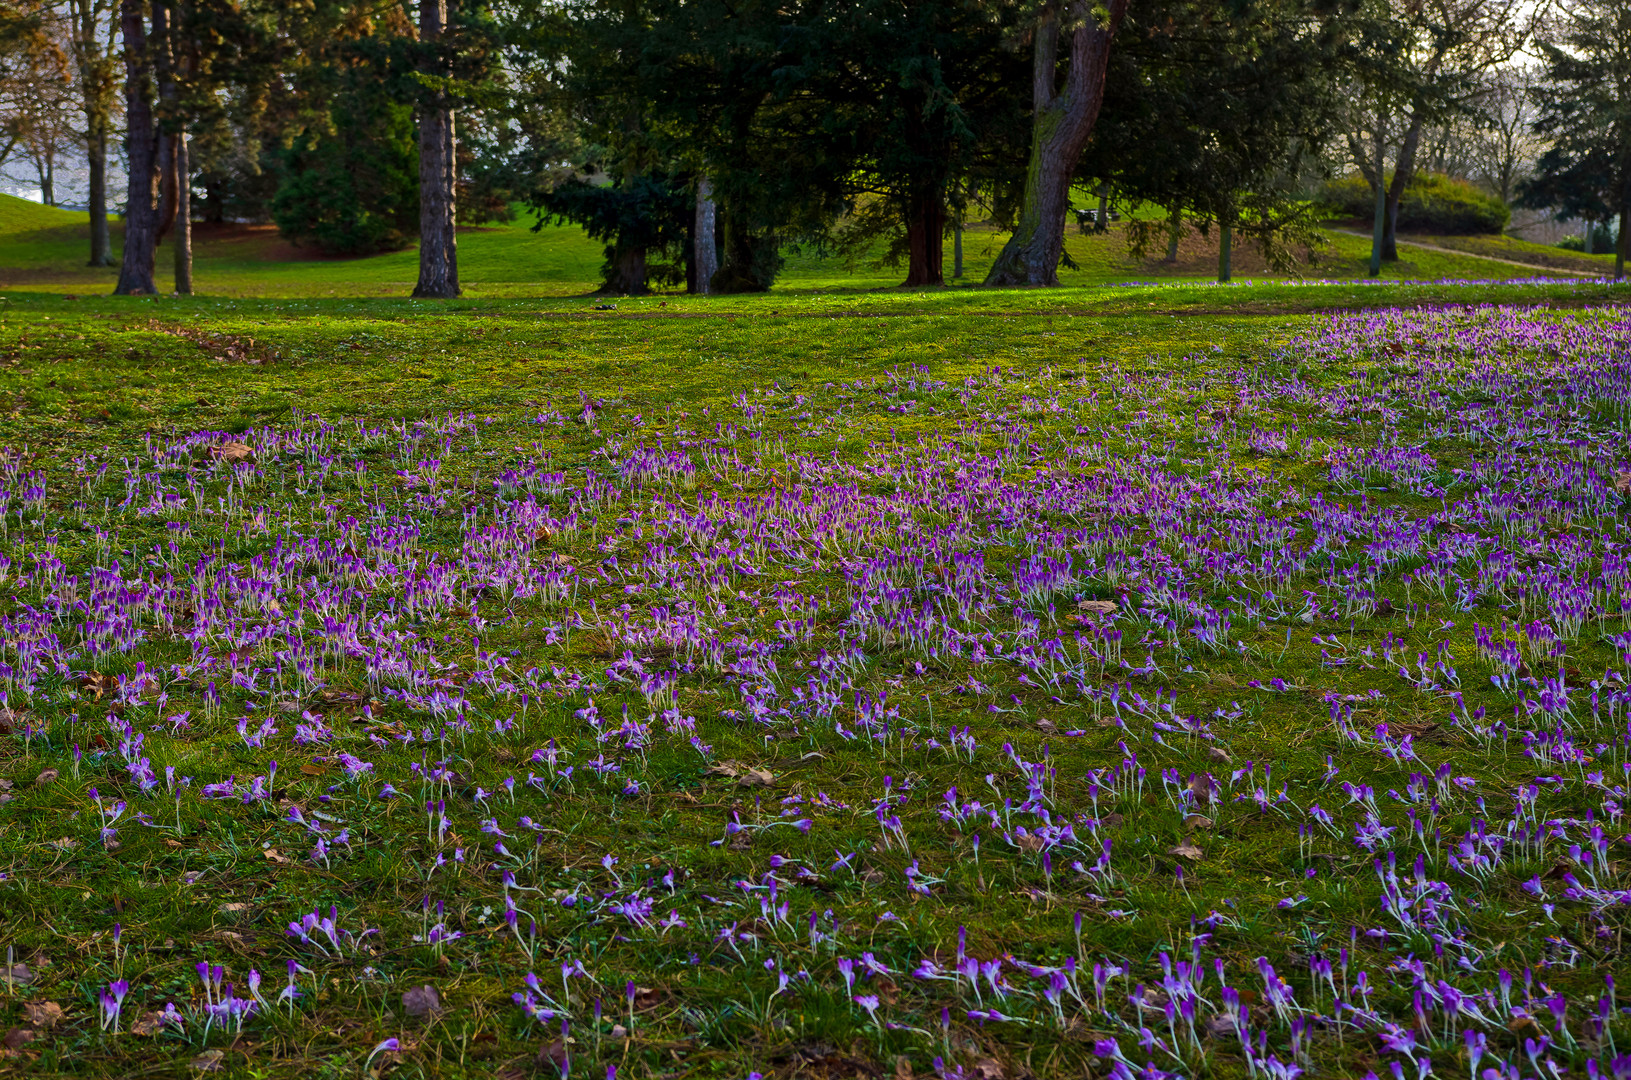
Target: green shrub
1602	241
352	190
1431	204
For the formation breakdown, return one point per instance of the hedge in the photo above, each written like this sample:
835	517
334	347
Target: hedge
1432	204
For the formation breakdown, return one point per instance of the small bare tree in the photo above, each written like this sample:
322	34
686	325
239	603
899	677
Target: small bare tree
1447	46
1505	145
37	103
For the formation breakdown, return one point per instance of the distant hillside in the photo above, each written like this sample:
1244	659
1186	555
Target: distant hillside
21	215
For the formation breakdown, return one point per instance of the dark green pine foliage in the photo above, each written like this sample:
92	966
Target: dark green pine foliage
636	218
1217	112
351	187
577	68
875	113
1585	108
913	101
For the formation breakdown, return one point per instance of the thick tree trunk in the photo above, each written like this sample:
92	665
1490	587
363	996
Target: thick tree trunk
1226	253
751	260
184	218
1379	223
96	147
625	272
957	252
925	239
164	74
438	239
705	239
1175	232
141	211
1060	126
1404	170
167	184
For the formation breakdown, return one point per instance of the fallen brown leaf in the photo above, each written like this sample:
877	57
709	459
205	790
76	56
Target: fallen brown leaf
1188	851
209	1061
148	1024
232	452
1197	821
44	1015
553	1054
1098	607
421	1001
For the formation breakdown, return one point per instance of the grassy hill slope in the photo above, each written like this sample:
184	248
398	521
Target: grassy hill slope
44	249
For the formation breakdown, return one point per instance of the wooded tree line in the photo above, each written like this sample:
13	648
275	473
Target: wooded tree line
697	139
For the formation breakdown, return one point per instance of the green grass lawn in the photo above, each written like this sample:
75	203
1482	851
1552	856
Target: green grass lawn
1510	247
43	250
769	657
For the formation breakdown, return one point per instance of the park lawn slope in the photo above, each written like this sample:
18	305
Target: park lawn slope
698	690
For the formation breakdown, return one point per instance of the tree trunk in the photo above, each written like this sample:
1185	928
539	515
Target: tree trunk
625	272
1379	224
141	211
46	166
184	218
1175	232
96	146
167	184
750	260
925	239
1622	250
438	240
1226	243
1101	222
704	238
95	67
1404	170
164	70
1060	126
957	251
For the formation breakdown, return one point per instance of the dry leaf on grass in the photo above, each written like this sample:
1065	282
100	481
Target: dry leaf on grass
744	775
44	1015
421	1001
232	452
1098	607
148	1024
209	1061
1186	850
